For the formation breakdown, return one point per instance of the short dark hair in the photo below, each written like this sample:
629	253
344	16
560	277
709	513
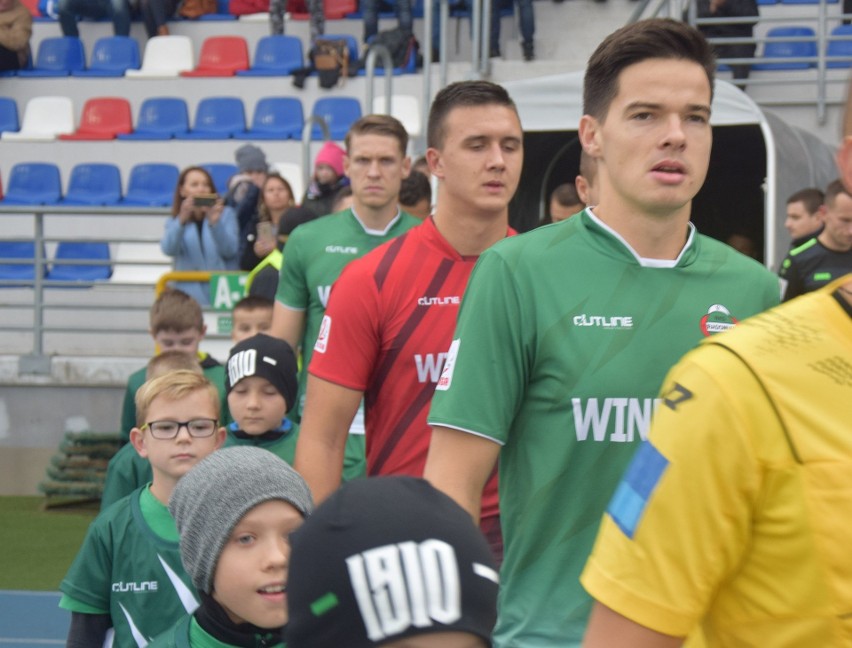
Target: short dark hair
834	189
415	188
252	302
379	125
812	197
566	195
463	94
656	38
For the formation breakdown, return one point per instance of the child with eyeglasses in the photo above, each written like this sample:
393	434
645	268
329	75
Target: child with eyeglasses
127	583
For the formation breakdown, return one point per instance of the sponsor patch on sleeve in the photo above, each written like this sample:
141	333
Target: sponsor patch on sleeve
446	378
322	338
631	497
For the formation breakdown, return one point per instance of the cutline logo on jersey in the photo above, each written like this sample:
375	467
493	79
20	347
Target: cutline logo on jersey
717	320
615	322
324	331
341	249
446	378
404	585
451	300
139	588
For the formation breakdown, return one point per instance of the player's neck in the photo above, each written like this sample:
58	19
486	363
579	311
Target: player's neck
652	236
373	218
471	235
162	487
830	244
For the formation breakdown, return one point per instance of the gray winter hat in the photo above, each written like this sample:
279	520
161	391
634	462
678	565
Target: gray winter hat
250	158
212	498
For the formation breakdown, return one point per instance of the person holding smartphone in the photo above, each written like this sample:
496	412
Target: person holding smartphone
202	233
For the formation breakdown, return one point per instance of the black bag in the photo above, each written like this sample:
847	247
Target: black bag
401	45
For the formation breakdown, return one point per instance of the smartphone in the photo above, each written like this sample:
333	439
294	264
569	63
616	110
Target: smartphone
267	230
205	200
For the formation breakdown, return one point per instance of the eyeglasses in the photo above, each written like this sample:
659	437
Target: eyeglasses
198	428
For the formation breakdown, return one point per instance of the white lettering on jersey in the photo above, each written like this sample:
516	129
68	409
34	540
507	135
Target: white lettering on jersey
446	378
452	300
601	321
242	364
406	585
618	420
322	339
141	586
322	293
429	366
341	249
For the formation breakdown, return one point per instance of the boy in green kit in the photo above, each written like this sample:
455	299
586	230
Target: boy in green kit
127	583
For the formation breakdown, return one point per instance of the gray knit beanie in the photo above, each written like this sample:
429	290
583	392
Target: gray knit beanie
250	158
212	498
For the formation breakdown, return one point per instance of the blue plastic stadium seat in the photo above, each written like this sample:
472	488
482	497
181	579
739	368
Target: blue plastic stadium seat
94	184
276	118
839	48
33	183
789	49
9	115
217	118
112	56
221	172
80	251
339	113
160	118
151	185
223	12
24	250
276	56
57	56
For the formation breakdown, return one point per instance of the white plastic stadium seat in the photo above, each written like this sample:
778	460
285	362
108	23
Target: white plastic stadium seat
165	57
405	108
44	119
145	267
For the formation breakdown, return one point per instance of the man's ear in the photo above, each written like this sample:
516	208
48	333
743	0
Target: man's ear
435	162
406	167
588	134
844	162
137	439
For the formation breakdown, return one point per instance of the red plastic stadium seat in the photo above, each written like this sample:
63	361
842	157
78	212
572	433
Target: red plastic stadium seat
103	118
221	56
337	9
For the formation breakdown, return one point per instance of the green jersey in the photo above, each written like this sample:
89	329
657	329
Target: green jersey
126	472
130	568
563	340
186	633
213	371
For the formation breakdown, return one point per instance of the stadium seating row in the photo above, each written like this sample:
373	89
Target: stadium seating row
97	251
151	184
163	118
172	56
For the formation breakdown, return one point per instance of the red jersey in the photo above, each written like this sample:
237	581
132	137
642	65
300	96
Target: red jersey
388	326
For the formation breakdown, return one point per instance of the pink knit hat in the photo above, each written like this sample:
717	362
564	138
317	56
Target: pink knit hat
332	155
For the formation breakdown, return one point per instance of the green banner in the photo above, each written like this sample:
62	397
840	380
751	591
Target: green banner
226	289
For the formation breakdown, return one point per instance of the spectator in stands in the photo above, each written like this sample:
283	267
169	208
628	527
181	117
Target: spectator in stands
370	8
16	28
526	18
827	256
465	4
244	187
743	243
415	195
202	233
276	197
564	203
327	180
156	14
116	10
804	215
734	9
277	9
421	164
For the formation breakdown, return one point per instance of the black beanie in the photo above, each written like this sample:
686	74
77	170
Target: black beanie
267	357
386	558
